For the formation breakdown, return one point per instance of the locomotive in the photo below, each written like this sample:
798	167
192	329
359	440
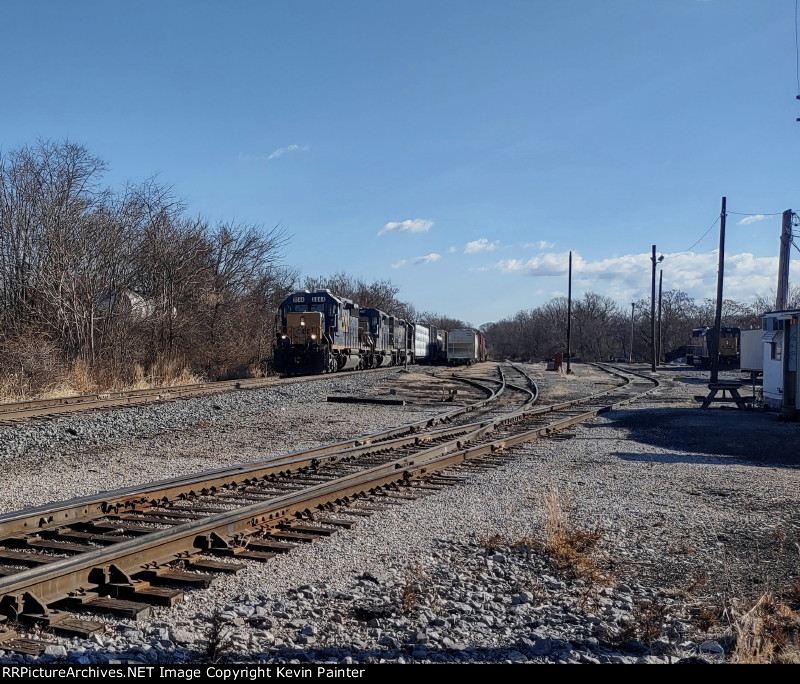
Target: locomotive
319	332
699	348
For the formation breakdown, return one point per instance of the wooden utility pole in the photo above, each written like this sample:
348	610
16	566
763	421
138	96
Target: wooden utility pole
653	314
659	350
718	316
633	310
783	262
569	314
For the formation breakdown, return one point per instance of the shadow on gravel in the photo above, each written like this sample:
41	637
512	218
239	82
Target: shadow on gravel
693	381
522	650
697	435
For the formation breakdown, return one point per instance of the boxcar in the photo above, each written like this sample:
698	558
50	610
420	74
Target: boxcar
465	347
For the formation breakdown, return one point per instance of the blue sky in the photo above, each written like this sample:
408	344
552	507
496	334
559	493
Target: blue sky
459	148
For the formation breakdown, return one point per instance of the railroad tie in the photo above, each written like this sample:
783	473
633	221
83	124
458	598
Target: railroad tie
170	577
143	592
70	535
337	522
309	529
209	565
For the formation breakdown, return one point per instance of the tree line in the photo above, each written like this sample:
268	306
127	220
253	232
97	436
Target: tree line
103	288
602	330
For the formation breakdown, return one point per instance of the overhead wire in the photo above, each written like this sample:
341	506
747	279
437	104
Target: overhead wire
796	50
754	213
700	239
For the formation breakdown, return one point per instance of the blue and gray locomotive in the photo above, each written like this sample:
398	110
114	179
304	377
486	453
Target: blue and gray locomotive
318	332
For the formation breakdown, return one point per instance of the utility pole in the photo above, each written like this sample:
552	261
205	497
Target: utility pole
718	317
653	314
633	309
659	350
569	314
783	262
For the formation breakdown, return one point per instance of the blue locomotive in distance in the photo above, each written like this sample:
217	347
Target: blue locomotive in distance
318	332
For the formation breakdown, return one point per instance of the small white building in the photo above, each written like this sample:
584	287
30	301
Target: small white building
781	378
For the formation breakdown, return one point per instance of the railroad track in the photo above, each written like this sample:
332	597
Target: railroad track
122	551
22	411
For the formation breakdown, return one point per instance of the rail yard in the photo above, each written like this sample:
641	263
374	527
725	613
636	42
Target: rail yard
434	513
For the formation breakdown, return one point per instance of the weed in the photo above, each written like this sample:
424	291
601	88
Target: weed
646	624
492	542
781	535
707	616
575	552
217	637
698	581
416	582
682	549
767	633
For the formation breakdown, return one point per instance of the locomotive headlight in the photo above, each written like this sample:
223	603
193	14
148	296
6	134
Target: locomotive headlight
313	337
302	321
283	337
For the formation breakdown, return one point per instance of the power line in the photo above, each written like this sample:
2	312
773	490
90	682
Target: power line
754	213
796	49
689	249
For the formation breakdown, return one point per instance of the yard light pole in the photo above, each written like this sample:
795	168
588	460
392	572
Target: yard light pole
569	315
653	310
659	349
633	309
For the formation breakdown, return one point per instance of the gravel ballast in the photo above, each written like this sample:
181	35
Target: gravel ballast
687	506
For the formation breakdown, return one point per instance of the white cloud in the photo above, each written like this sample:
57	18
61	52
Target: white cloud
407	226
452	250
546	265
541	244
753	218
289	148
399	264
482	245
628	276
427	259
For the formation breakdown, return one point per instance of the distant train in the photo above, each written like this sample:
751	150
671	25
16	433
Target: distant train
698	351
319	332
465	347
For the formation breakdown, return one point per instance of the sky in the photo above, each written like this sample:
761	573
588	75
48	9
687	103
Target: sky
459	148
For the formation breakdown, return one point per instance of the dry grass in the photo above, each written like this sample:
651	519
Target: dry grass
80	378
647	623
767	633
166	374
575	552
492	542
417	582
217	637
698	581
682	549
707	616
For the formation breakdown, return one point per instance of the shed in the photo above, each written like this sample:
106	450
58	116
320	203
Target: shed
779	341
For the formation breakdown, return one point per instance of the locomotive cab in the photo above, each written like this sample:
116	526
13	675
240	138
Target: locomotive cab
305	327
317	332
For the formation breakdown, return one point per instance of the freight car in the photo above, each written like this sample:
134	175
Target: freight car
465	347
699	348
